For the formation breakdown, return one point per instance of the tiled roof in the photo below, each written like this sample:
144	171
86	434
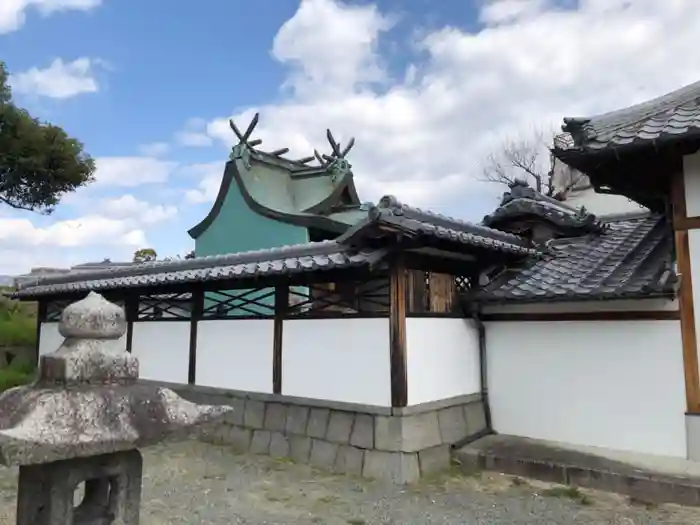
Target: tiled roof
523	201
286	260
415	222
631	258
340	253
670	117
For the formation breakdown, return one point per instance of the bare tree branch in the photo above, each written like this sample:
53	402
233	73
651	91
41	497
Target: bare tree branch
529	157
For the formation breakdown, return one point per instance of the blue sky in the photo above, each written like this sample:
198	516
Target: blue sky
428	88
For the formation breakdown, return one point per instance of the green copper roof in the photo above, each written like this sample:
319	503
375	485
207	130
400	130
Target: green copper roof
322	195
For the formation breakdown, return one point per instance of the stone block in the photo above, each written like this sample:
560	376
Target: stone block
349	460
299	448
216	434
388	433
396	467
469	460
318	423
275	417
279	445
406	433
475	417
452	423
434	460
260	443
339	427
322	453
239	438
236	416
297	419
254	416
420	431
363	431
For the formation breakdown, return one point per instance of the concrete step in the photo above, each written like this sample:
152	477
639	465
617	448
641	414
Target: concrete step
652	479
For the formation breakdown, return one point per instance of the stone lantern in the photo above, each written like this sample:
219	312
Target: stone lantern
84	419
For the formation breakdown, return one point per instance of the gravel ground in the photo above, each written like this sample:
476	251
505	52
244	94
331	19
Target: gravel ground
193	483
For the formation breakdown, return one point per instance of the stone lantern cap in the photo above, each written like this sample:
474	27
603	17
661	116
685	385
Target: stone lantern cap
86	399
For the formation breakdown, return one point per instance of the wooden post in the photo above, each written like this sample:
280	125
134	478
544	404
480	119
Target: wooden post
195	316
281	307
131	310
685	294
40	318
397	333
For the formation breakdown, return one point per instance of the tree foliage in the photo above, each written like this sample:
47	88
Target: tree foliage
529	157
39	162
145	255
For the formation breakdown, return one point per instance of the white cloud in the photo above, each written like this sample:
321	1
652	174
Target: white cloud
424	133
337	57
194	134
128	207
193	139
131	171
93	230
13	12
59	80
209	176
154	149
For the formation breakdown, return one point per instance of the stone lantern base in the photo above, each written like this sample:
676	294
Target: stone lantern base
112	489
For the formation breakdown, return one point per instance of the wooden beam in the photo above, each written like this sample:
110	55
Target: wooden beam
685	294
686	223
281	307
630	315
397	333
688	329
195	316
678	204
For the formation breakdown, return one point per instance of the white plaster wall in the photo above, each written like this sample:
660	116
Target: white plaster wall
691	172
442	359
163	350
586	306
602	203
616	384
694	247
50	339
235	354
337	359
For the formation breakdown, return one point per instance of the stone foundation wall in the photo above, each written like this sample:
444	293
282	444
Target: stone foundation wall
400	445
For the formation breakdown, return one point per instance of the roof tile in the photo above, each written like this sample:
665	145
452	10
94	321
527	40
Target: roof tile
671	116
628	258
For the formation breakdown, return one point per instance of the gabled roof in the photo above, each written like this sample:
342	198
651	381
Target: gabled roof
391	215
285	260
290	191
669	118
630	258
524	202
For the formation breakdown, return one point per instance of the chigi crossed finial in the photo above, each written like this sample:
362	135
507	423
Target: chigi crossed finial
323	159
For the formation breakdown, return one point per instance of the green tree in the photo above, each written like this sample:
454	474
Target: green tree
145	255
39	162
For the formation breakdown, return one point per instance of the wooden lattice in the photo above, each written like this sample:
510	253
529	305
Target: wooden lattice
164	306
239	303
345	298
